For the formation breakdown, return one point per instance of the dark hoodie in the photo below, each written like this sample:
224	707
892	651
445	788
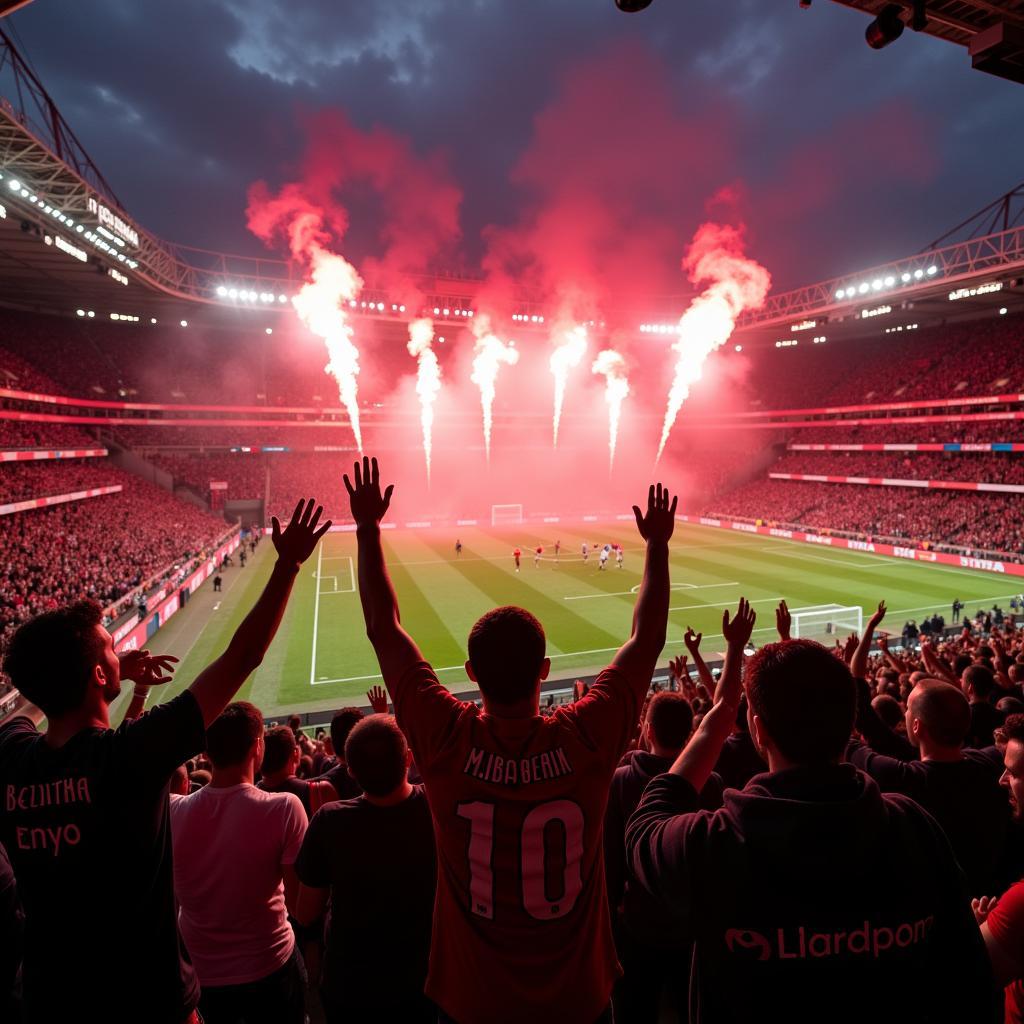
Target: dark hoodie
632	908
813	897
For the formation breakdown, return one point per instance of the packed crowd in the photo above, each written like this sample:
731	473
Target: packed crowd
727	849
960	519
974	358
100	548
245	474
22	480
889	432
973	467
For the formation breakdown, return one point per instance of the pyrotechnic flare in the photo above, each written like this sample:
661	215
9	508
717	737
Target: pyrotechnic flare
566	355
491	352
616	389
333	280
428	379
737	283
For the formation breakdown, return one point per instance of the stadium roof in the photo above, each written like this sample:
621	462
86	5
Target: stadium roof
991	30
67	244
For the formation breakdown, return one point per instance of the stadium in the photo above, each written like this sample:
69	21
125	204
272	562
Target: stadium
831	444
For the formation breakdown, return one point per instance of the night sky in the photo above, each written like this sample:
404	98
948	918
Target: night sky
834	156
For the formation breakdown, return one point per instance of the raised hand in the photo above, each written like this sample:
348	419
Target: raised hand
369	506
299	539
660	520
378	700
692	640
147	669
850	647
983	907
783	620
737	631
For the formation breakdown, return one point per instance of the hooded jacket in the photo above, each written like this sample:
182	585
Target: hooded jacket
632	908
813	897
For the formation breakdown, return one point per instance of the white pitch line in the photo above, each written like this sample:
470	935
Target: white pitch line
316	613
669	643
634	590
718	604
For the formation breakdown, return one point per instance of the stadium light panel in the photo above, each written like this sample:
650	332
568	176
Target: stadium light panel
932	270
80	312
738	348
401	309
14	185
1002	311
890	281
905	278
221	291
918	274
282	298
90	313
152	319
270	330
184	323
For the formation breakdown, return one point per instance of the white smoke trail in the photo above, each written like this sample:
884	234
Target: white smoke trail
737	283
333	281
491	352
616	389
566	356
428	379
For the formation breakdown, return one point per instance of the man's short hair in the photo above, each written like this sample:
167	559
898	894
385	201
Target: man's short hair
232	734
944	711
342	723
295	723
1013	728
51	658
506	650
670	720
375	753
888	709
980	679
278	749
805	697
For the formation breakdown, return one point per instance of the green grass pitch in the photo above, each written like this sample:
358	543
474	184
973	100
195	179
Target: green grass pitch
321	658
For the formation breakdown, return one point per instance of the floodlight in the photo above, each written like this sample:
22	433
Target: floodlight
886	28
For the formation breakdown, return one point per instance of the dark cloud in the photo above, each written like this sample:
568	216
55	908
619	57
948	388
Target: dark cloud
841	156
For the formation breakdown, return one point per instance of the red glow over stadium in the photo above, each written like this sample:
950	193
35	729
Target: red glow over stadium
542	543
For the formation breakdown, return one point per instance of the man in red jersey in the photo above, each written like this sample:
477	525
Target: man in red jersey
521	924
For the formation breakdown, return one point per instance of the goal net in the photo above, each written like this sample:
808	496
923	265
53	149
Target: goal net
506	515
827	623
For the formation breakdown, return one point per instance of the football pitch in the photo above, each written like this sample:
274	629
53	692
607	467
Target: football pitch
322	660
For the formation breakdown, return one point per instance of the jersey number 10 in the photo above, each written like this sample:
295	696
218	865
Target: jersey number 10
480	815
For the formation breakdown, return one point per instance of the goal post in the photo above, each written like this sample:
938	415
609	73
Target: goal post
827	623
506	515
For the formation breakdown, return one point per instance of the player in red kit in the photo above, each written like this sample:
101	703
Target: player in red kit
517	554
522	929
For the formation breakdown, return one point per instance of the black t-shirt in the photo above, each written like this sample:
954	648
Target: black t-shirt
344	785
87	830
293	784
381	867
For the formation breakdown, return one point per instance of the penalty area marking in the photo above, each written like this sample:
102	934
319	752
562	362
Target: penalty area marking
336	589
634	590
669	643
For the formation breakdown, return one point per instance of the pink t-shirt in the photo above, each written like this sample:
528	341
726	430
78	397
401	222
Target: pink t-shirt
229	845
